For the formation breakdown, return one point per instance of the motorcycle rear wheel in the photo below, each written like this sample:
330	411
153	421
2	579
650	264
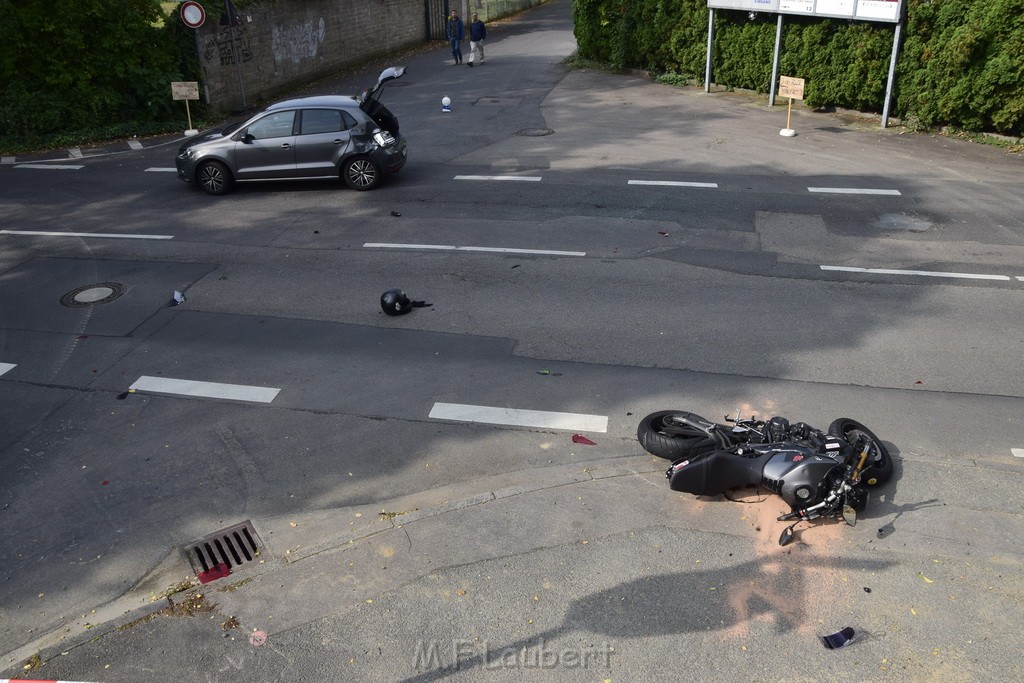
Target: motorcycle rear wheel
879	468
662	435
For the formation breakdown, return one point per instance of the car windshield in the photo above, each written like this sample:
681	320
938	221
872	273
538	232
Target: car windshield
232	127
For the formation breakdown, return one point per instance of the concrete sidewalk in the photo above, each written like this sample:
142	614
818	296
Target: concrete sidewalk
588	572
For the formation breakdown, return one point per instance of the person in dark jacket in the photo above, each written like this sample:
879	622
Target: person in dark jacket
477	33
456	34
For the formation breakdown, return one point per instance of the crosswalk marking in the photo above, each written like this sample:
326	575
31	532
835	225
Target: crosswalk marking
519	418
187	387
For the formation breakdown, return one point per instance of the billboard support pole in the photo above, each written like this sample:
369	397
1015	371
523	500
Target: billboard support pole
707	60
892	72
775	64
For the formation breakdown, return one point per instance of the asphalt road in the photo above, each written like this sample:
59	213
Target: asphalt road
648	247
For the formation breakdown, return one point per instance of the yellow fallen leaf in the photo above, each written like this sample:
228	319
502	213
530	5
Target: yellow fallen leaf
913	611
370	601
293	524
460	592
927	580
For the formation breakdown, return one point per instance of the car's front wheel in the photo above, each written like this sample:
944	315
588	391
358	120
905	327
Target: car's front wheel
361	173
214	177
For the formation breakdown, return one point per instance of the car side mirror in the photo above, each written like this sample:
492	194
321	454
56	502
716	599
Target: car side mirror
246	138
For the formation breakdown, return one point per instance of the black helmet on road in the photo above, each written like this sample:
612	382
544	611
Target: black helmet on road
395	302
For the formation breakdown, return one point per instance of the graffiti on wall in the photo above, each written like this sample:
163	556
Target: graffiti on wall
298	42
219	48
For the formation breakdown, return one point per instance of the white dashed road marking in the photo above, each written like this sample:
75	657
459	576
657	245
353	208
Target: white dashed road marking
60	167
534	179
135	144
925	273
6	367
40	233
161	170
852	190
671	183
6	160
1017	452
520	418
498	250
187	387
75	152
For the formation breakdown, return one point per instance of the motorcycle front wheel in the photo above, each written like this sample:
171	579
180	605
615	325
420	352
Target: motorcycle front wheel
879	467
664	434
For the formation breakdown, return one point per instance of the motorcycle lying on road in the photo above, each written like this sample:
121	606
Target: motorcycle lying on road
819	474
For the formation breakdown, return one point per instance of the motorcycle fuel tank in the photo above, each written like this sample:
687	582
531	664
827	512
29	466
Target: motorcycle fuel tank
797	474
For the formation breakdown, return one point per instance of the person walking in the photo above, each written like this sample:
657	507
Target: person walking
456	34
477	33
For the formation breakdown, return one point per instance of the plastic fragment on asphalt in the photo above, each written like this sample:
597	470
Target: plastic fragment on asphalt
840	638
216	572
579	438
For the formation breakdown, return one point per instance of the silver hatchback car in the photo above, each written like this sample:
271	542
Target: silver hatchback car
327	136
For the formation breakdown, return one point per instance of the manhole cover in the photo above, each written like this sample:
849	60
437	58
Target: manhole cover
89	295
535	132
221	553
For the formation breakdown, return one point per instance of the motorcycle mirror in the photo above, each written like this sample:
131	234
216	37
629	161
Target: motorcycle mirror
787	534
849	515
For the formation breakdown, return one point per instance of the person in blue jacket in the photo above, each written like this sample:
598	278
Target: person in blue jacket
477	33
456	34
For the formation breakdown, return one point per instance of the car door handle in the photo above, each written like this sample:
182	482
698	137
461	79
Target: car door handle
286	146
339	141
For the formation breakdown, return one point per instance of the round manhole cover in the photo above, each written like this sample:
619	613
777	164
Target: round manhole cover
535	132
99	293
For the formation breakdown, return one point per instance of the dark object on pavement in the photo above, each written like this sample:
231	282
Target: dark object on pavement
395	302
839	639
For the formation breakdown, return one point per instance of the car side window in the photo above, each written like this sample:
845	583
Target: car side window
276	125
325	121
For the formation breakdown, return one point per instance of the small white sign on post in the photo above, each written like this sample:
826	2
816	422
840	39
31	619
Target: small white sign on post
186	90
793	88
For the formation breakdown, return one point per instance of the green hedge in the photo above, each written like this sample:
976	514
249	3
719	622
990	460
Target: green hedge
76	70
961	62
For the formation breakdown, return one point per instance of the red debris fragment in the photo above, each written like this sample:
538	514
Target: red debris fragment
104	482
217	572
579	438
918	382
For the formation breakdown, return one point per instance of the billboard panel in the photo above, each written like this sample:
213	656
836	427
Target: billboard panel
867	10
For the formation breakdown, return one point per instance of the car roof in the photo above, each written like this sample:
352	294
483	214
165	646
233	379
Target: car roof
331	101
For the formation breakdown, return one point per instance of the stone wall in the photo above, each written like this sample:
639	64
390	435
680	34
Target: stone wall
281	45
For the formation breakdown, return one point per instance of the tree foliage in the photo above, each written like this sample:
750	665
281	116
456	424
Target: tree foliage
961	63
85	64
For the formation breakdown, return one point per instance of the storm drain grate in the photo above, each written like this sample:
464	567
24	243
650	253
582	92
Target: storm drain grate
223	552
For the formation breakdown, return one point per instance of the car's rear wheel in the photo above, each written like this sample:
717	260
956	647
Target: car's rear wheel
361	173
214	177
